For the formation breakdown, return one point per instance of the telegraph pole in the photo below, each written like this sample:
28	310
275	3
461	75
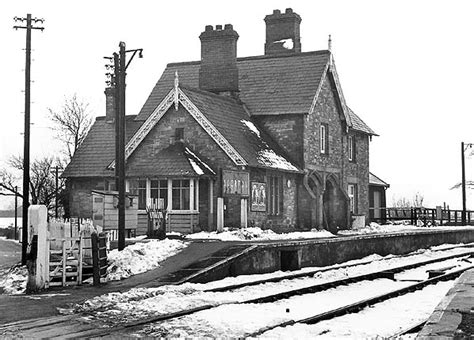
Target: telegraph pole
118	80
463	185
56	192
16	212
121	146
26	151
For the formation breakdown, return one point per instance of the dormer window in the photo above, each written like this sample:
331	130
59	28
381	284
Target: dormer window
324	139
351	148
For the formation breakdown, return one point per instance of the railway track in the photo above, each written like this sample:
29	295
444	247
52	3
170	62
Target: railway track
357	306
83	328
307	290
315	271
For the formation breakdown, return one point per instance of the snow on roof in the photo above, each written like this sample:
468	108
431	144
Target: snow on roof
271	159
267	156
251	126
196	167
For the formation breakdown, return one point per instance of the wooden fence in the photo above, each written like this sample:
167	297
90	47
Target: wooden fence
65	252
425	216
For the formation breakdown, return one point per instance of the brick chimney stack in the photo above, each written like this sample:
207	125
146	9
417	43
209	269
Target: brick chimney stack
282	32
218	72
109	104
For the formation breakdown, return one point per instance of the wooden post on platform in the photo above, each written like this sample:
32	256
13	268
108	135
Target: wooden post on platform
243	213
220	214
95	259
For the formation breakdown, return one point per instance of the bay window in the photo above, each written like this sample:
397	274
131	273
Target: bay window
180	194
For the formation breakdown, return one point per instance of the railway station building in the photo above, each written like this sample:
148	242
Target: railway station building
266	140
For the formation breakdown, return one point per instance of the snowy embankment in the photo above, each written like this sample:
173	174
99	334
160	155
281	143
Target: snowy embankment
141	257
13	281
134	259
256	234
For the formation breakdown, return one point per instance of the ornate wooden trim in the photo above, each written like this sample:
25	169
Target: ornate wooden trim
211	130
176	94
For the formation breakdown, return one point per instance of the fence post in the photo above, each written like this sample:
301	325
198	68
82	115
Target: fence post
81	254
37	217
64	262
95	259
449	216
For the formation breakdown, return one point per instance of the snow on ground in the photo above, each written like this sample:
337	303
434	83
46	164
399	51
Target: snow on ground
134	259
13	281
3	238
376	322
139	303
256	234
374	228
141	257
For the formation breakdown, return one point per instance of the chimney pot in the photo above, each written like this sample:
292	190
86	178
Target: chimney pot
209	28
280	29
218	72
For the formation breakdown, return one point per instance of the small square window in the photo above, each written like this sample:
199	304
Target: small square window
179	134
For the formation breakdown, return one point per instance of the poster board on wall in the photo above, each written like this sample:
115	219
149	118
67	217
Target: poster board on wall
259	196
235	183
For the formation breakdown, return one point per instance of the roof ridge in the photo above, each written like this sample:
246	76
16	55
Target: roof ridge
126	117
211	94
258	57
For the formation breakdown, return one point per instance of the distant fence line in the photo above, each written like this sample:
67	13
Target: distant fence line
435	216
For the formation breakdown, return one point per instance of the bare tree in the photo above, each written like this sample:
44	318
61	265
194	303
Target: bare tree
72	123
8	182
403	202
42	179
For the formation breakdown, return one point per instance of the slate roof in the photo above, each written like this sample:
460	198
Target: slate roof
374	180
233	122
98	149
175	160
268	84
359	125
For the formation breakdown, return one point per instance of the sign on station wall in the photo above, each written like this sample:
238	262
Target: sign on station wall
259	196
235	183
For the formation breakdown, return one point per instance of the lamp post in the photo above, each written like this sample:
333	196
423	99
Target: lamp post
464	147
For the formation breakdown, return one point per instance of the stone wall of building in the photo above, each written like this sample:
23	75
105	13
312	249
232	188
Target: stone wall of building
357	171
336	161
287	131
287	220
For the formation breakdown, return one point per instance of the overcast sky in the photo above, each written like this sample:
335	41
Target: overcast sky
406	68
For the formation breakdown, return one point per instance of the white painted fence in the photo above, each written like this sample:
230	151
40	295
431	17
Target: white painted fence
63	248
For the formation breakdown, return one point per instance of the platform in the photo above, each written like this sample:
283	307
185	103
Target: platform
454	315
